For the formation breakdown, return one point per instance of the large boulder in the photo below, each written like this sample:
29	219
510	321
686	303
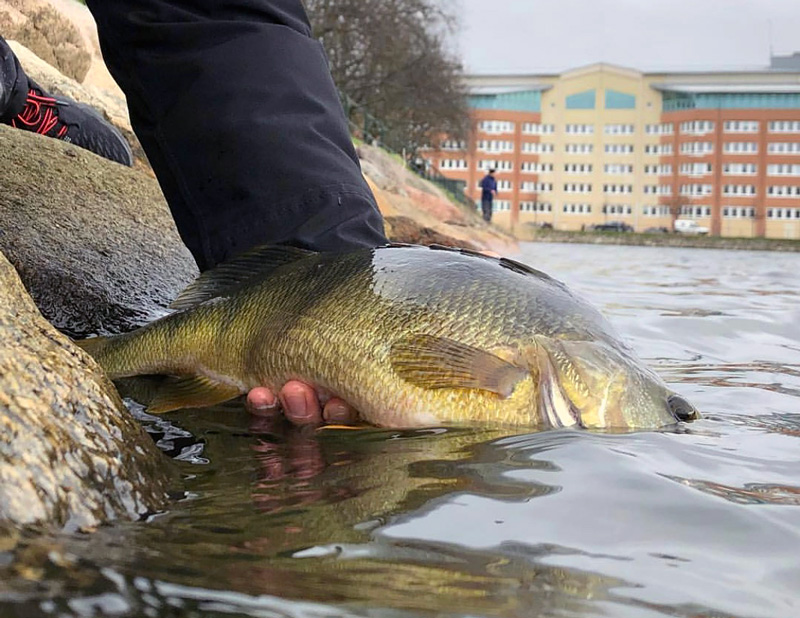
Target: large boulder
70	453
48	33
93	241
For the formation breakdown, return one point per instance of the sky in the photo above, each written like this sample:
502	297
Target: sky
530	36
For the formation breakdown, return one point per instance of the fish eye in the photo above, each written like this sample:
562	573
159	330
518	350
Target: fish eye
680	408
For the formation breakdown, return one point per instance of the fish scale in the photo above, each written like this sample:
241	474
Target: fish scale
407	335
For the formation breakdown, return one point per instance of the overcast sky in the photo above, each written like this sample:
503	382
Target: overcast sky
509	36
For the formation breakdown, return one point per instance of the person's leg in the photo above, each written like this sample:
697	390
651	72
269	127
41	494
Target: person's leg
236	109
486	207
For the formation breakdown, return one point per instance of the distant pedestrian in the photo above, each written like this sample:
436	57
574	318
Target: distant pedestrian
488	191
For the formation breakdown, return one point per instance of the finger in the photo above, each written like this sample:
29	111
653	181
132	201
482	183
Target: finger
261	401
337	411
300	403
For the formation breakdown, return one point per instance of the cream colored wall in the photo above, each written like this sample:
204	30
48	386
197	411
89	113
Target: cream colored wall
647	111
783	229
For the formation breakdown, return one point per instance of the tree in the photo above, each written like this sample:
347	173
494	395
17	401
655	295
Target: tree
391	58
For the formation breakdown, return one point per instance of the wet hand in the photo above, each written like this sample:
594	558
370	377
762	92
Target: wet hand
300	405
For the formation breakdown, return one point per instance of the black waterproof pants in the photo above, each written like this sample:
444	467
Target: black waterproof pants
234	104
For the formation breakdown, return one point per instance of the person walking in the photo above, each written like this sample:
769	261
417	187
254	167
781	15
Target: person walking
488	191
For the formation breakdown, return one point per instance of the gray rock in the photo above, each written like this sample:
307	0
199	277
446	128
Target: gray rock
93	241
70	453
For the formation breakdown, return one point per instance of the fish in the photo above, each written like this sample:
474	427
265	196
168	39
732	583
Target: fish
408	335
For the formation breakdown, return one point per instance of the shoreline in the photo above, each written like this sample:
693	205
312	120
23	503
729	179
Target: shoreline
663	240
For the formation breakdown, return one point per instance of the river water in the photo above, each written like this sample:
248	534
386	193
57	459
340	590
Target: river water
268	521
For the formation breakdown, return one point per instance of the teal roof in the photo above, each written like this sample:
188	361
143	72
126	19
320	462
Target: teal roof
673	101
517	101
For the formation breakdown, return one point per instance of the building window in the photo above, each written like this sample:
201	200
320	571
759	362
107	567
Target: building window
740	169
501	205
619	129
740	147
577	187
615	189
695	211
536	147
740	126
697	190
577	209
536	187
697	127
495	145
739	190
618	148
453	164
618	168
451	144
578	168
655	211
665	128
783	191
696	169
784	126
578	148
783	169
738	212
783	213
534	128
502	185
697	148
658	149
617	209
535	167
579	129
790	148
496	126
535	207
493	164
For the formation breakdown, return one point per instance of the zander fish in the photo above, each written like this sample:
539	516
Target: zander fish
407	335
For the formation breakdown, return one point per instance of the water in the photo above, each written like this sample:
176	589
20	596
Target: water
270	521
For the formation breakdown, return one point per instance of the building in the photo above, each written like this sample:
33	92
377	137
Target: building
606	143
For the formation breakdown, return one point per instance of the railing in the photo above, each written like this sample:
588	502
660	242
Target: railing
365	126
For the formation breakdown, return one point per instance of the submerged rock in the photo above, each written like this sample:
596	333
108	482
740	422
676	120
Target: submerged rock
93	241
70	453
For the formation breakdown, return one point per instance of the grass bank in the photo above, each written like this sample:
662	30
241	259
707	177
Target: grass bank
661	240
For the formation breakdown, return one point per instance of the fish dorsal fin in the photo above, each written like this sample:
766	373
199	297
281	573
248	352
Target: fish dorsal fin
256	262
175	393
436	362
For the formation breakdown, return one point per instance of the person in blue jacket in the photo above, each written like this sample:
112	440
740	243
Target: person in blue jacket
488	191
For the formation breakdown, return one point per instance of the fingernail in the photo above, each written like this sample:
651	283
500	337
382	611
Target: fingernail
296	404
336	411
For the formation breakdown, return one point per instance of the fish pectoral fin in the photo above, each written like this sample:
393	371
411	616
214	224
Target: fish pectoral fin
190	392
256	262
437	362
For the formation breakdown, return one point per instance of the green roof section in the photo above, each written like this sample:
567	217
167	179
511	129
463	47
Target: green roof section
675	101
581	100
517	101
619	100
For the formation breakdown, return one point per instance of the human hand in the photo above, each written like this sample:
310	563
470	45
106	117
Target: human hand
300	405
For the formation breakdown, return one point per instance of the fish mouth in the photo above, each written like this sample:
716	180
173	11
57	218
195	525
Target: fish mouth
556	408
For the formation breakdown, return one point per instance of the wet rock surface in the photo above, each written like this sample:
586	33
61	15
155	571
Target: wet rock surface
93	241
70	453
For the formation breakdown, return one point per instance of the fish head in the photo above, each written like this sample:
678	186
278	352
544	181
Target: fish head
598	385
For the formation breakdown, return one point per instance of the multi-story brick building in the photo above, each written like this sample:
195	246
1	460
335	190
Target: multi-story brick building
606	143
